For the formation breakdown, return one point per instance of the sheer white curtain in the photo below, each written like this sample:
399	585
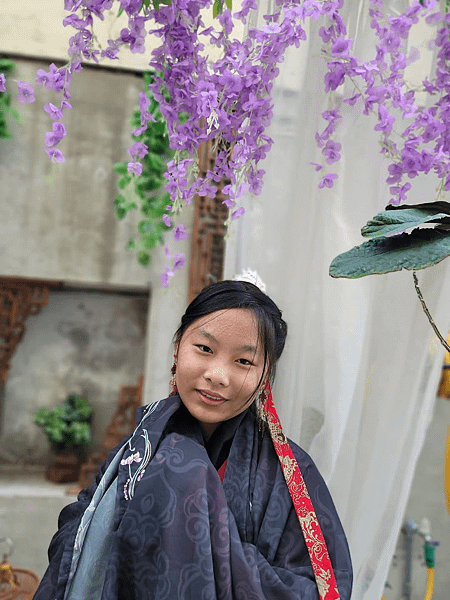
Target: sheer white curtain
357	383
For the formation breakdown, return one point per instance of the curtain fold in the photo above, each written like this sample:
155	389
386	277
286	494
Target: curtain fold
357	383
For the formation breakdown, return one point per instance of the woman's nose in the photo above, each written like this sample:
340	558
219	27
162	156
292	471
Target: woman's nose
217	376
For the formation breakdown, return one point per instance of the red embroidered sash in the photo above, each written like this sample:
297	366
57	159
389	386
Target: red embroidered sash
315	542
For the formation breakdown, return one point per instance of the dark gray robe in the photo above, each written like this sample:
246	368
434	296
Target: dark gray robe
179	533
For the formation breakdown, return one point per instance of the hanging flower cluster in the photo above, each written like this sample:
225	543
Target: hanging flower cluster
379	87
229	100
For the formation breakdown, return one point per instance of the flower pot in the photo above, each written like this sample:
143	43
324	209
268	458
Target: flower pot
65	467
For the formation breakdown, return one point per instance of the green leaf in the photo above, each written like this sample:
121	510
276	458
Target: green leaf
396	219
123	181
15	114
439	205
155	163
217	8
121	168
6	66
121	212
229	4
147	190
150	241
413	251
160	127
144	227
144	258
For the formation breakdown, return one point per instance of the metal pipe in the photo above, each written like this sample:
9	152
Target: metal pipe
410	528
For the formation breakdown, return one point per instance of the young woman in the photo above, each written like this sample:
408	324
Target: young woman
205	501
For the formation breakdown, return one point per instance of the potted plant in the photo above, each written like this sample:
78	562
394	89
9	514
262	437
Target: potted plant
68	429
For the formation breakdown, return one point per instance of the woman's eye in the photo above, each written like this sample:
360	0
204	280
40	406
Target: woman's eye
244	361
203	348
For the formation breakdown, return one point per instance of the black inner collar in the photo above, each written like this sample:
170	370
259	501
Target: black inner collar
217	445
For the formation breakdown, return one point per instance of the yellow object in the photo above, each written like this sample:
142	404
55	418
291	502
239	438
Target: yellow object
444	385
447	471
430	583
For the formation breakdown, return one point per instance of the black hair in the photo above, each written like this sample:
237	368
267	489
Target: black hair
223	295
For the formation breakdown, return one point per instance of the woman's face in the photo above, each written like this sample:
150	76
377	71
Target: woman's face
219	365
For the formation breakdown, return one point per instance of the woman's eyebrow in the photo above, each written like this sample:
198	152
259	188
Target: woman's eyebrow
208	335
244	348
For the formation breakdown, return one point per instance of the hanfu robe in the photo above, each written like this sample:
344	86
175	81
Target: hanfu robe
175	531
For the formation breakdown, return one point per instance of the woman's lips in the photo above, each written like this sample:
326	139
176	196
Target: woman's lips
210	398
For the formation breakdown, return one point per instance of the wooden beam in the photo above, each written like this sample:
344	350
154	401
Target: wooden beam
208	236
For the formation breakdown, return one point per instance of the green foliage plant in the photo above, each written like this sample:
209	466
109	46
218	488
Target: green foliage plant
67	426
6	67
393	247
146	192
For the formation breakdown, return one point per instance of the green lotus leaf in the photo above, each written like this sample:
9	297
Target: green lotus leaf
413	251
393	221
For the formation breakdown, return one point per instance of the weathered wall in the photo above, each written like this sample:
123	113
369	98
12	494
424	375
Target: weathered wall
89	343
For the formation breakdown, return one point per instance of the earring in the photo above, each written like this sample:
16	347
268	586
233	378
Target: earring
173	379
261	401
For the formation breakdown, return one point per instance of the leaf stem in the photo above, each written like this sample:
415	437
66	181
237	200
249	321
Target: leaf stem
427	312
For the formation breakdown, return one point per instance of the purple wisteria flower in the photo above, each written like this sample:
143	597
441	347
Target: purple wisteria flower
331	151
380	84
341	47
400	192
135	168
52	138
238	213
179	261
55	112
26	91
386	120
2	83
56	79
180	233
165	277
138	150
55	155
396	173
328	180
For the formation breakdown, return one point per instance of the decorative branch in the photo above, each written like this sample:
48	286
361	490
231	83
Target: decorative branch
427	312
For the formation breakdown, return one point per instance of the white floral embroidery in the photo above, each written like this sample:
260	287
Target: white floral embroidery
131	459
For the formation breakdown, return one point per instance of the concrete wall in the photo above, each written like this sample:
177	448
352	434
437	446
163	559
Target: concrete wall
58	221
89	343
